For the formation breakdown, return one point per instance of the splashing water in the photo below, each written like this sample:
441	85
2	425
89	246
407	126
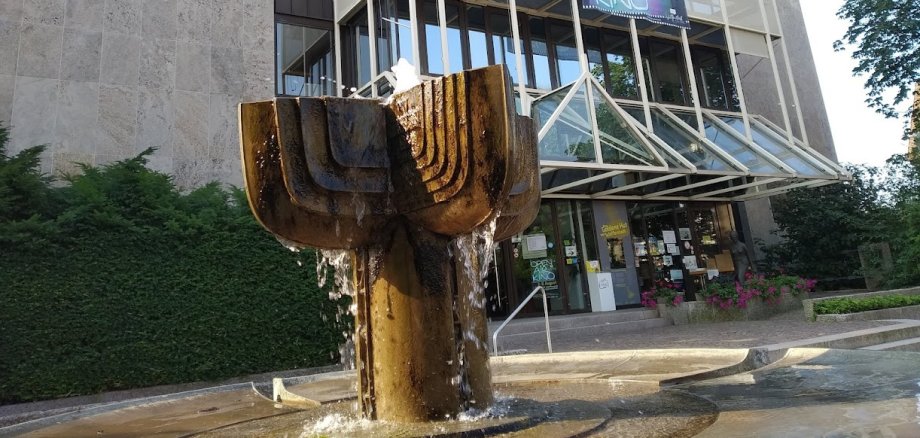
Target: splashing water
405	75
339	262
337	423
500	409
360	209
475	252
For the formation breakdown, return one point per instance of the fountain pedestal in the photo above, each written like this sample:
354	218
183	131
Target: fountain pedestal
395	183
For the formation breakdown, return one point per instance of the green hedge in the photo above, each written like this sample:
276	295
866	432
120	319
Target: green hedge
116	280
838	306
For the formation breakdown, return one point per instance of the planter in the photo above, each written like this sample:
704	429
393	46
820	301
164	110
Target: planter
809	305
672	314
695	312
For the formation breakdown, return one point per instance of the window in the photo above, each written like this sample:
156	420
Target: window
432	39
568	67
304	61
539	56
356	53
394	33
503	42
476	35
620	68
666	71
714	79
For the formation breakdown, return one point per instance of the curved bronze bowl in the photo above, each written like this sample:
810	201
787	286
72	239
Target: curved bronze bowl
447	155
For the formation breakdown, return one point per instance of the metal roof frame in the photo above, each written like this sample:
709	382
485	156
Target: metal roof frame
755	184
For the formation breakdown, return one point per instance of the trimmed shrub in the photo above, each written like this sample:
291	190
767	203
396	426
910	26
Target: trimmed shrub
117	280
838	306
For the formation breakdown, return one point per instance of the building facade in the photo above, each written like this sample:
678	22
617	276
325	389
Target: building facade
656	142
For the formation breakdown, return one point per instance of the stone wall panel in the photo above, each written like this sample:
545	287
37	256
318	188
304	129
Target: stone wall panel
194	22
77	108
123	16
193	67
9	46
86	15
42	57
117	121
47	12
158	63
7	83
156	120
11	10
191	140
159	19
35	102
82	55
101	80
120	59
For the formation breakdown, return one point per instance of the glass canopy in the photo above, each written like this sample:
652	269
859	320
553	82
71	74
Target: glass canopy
593	146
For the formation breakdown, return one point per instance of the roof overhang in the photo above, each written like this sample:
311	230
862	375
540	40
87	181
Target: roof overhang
595	147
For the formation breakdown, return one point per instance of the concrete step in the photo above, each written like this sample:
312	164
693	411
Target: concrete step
910	344
537	324
902	329
535	341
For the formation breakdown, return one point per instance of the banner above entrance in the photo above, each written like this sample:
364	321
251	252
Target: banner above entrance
665	12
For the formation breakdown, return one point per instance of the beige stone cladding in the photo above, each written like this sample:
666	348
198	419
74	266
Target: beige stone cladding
102	80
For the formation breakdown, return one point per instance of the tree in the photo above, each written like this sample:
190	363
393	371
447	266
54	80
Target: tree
823	227
886	34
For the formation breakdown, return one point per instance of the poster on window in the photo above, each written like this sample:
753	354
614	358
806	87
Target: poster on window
665	12
534	246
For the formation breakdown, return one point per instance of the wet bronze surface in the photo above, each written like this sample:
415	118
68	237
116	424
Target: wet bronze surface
395	182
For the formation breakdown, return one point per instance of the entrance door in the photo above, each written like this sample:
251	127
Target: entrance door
551	253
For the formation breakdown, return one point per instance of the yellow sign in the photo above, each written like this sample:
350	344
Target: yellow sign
616	229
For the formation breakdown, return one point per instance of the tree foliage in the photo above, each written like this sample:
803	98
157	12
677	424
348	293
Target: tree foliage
824	227
886	35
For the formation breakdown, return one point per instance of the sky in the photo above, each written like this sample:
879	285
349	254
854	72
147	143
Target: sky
860	134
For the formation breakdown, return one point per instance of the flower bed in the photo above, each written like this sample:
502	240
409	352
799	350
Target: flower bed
770	290
758	297
665	293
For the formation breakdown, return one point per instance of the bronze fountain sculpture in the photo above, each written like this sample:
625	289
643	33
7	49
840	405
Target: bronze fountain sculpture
394	183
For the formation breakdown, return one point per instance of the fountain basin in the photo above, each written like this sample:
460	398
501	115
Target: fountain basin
698	392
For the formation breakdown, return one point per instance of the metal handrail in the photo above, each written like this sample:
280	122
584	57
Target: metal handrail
549	342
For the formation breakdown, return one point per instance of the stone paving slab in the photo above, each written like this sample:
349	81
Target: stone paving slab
786	327
172	418
819	392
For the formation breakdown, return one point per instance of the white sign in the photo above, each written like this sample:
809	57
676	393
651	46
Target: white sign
669	236
536	242
571	251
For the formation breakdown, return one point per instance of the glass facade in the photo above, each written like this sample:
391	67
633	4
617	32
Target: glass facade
304	60
598	142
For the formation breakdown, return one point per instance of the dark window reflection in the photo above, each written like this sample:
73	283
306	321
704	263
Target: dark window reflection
621	68
304	61
667	72
394	33
539	52
567	65
503	42
476	35
716	87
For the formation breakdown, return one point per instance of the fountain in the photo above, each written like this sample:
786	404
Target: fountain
394	183
410	193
